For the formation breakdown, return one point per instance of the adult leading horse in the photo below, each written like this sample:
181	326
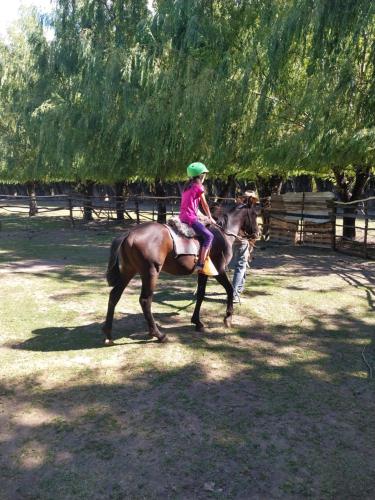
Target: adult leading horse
147	250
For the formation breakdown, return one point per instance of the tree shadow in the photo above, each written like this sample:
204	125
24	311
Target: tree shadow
262	411
60	271
258	431
365	282
302	261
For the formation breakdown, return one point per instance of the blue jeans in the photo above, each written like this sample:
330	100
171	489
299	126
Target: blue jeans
239	264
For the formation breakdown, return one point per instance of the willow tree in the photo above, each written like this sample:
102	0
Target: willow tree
320	81
192	98
240	118
95	100
160	121
25	85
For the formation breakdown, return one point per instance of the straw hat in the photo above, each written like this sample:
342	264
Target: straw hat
250	194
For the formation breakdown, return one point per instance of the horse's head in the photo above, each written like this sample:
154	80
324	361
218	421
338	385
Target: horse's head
249	226
240	219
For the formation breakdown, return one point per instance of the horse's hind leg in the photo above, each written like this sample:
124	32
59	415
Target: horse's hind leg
195	319
224	281
114	297
149	280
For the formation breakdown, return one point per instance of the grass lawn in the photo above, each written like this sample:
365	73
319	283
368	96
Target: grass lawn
280	406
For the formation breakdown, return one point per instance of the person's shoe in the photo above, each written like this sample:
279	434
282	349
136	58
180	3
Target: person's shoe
236	299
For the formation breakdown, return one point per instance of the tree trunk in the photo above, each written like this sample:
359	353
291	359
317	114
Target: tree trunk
228	189
303	183
33	207
88	192
269	186
162	207
266	188
351	190
323	184
120	205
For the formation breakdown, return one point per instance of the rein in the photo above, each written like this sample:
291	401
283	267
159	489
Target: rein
228	233
247	237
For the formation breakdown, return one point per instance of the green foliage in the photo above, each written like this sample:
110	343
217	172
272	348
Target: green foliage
249	88
321	63
24	87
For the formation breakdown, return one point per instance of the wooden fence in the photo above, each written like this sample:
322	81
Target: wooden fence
316	219
302	219
357	219
309	219
134	208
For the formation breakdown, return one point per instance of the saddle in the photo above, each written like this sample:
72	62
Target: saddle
183	237
185	242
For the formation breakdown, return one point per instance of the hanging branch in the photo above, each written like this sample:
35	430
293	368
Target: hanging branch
275	99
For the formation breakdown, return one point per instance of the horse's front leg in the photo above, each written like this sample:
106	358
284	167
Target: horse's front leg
224	281
149	280
195	319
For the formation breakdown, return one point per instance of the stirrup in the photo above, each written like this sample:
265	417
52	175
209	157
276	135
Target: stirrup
198	269
208	268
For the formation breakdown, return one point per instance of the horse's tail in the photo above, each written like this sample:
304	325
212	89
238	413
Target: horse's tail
113	270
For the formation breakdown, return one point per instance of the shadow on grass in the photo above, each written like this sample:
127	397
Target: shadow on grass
300	428
131	327
365	281
262	411
303	261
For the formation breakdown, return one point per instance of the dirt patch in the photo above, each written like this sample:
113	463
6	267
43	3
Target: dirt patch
32	266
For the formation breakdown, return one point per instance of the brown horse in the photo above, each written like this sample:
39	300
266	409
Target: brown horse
147	249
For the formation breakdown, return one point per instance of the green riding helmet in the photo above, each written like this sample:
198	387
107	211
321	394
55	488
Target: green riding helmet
195	169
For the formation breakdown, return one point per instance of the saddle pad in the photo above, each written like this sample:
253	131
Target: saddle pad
183	245
184	229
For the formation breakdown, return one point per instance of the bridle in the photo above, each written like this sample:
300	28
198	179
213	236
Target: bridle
249	237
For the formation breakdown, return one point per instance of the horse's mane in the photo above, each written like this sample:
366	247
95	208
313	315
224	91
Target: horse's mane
222	219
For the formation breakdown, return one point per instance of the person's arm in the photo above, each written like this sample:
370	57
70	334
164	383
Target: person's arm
206	208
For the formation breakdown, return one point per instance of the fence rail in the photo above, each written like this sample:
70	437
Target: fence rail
311	220
344	227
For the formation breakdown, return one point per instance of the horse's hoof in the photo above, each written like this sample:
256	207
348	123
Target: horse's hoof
108	342
228	322
162	337
200	328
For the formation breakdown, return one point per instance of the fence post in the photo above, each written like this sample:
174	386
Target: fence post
302	218
366	230
137	209
71	211
333	218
